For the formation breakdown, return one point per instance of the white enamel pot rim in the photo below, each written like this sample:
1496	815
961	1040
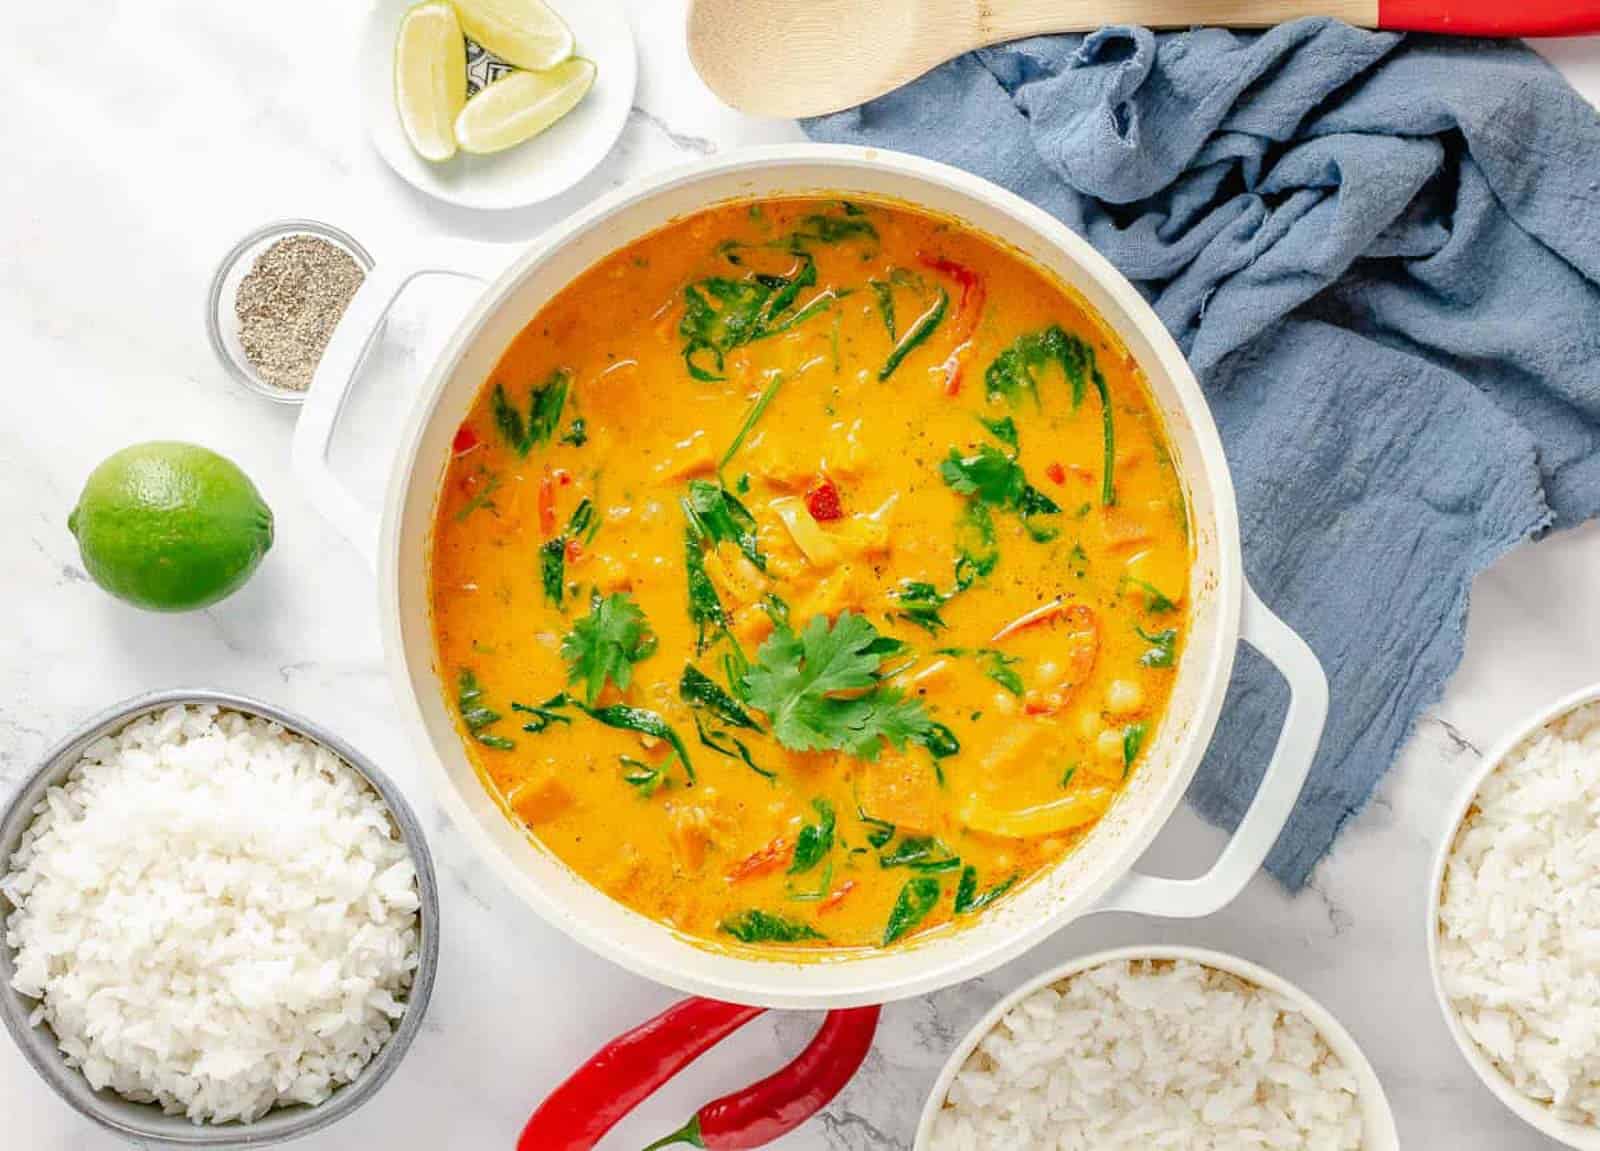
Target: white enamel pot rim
1531	1111
1097	876
1378	1127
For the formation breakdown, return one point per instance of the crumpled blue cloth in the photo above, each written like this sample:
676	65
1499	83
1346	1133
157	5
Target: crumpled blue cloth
1382	256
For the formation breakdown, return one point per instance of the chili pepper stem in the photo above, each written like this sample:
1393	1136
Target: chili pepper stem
689	1133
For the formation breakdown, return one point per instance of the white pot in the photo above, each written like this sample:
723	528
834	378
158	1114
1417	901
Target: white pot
1096	877
1377	1119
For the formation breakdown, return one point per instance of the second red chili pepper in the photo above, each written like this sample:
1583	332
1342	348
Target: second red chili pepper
782	1101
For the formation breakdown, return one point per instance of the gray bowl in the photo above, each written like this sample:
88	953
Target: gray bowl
144	1123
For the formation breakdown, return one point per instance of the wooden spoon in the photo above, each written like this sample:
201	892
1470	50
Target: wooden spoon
808	57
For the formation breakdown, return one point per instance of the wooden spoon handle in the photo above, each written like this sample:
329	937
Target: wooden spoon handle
1007	19
1492	17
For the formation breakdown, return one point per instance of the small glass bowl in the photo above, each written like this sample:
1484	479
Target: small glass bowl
222	325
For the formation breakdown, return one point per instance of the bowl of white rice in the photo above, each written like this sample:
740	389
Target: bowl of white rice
1514	921
220	923
1158	1049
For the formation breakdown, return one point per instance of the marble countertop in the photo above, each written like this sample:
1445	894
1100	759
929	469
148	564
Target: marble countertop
140	141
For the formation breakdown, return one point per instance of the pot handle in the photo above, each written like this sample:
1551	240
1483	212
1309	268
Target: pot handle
357	331
1275	798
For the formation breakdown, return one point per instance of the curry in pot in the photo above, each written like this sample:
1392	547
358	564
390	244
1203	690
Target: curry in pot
810	574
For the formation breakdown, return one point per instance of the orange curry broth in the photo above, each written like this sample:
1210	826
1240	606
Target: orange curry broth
1034	771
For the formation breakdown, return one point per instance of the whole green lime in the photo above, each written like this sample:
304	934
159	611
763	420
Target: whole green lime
170	527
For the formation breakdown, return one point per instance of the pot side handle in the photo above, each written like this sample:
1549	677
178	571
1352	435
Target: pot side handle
1275	798
357	332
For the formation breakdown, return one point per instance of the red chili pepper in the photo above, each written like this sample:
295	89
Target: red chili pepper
782	1101
1057	473
466	439
574	551
547	505
968	312
626	1071
822	501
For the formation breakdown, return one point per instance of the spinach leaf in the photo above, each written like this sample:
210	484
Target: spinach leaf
705	606
1005	430
820	229
750	420
1066	776
885	297
1132	741
880	831
719	517
476	715
607	643
1155	602
699	690
754	926
967	897
646	777
544	714
1163	647
920	603
721	314
994	479
939	741
483	497
920	853
1014	373
737	750
917	334
544	412
1000	667
577	433
815	839
644	722
553	569
918	897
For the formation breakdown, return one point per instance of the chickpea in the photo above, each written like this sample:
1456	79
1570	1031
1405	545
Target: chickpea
1109	746
1124	696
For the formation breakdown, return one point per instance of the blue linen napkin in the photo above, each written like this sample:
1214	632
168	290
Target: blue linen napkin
1382	256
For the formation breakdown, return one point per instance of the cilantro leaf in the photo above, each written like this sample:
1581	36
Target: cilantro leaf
606	644
822	692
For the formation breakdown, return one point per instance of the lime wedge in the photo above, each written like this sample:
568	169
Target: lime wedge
521	105
525	33
430	78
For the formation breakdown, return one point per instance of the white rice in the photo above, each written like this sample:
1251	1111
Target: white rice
215	915
1140	1056
1519	918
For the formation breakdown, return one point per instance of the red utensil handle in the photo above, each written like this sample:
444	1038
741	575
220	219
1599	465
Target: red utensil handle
1492	17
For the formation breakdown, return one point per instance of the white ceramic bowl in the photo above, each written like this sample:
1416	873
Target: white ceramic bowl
1097	876
1377	1118
1530	1111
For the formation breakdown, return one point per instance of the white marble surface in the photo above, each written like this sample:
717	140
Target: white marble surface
139	140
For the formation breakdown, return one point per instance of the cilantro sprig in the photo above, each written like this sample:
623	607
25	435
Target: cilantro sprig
822	690
606	644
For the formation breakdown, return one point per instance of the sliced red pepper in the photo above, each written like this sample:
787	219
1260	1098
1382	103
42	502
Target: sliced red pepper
836	898
626	1071
465	440
823	502
782	1101
771	857
547	505
1057	473
968	312
574	551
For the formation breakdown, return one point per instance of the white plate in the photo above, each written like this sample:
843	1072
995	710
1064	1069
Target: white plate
543	167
